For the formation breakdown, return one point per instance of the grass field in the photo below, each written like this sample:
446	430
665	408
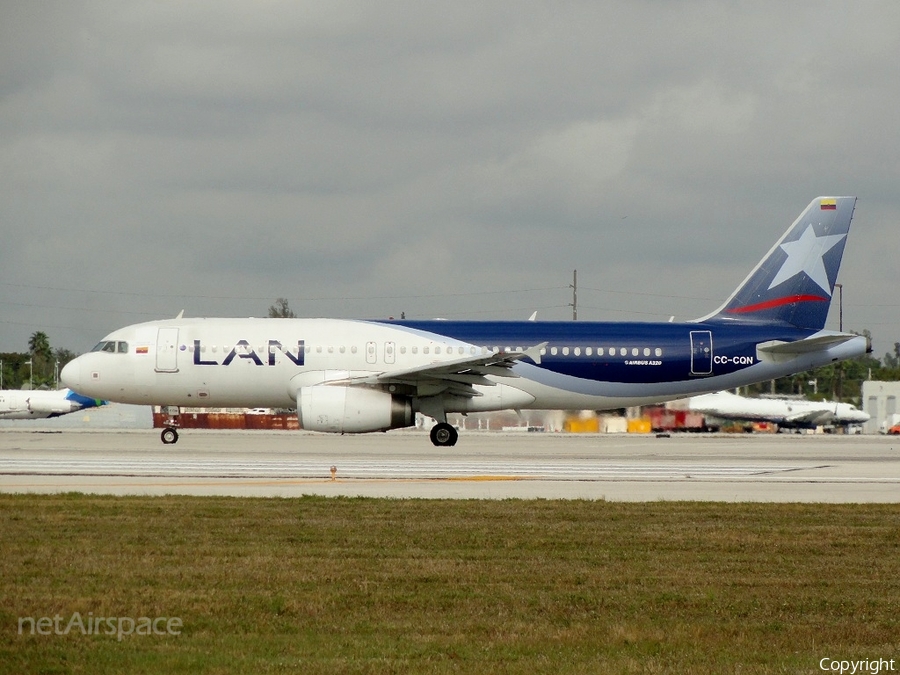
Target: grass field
319	585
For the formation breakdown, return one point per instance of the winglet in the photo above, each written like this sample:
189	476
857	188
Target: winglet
534	353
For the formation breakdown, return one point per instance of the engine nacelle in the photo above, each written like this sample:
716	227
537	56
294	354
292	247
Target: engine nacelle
43	406
351	410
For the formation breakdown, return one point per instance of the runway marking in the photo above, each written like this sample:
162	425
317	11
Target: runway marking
388	469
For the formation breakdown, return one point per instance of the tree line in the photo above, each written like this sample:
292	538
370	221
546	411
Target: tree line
38	368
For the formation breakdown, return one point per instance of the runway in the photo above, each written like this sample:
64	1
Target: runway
774	468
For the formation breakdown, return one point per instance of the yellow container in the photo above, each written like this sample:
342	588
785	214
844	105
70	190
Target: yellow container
580	425
639	426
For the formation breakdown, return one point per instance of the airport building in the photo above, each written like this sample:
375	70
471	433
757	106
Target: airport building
879	399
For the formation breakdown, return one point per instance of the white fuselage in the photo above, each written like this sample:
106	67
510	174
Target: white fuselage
18	404
265	362
786	412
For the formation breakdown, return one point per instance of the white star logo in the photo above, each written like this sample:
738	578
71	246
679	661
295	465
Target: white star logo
806	255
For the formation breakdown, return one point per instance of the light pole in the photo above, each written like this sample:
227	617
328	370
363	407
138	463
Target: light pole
839	393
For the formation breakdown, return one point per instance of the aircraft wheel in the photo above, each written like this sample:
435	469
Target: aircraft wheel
443	434
169	436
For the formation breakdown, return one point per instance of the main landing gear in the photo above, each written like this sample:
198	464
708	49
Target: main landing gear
444	434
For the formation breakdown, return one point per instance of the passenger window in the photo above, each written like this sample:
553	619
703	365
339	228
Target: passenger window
658	351
565	351
577	351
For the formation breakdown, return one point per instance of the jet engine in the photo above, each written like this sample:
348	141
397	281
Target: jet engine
351	410
51	407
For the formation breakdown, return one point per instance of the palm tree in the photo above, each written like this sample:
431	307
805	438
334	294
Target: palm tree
41	354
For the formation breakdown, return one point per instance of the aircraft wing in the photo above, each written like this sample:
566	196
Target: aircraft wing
810	417
456	377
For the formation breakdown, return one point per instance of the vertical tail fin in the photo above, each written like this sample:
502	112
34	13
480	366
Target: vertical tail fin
794	282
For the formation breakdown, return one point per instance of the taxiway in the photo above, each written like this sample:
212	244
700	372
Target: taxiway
771	468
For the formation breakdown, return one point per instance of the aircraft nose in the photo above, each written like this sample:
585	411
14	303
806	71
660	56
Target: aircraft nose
71	374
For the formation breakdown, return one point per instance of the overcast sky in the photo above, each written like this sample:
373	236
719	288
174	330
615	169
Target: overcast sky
442	159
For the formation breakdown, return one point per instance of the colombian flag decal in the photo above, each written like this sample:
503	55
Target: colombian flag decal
828	204
141	350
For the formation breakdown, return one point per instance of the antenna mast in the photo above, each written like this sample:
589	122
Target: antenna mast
574	287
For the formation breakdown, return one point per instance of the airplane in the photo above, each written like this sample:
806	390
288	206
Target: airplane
786	413
24	404
358	376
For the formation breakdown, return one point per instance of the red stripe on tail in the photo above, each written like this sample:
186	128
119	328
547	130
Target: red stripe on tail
777	302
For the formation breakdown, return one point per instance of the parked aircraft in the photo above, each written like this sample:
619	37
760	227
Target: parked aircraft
23	404
786	413
354	376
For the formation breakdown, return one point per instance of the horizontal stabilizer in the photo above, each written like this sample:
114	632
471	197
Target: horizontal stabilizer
778	351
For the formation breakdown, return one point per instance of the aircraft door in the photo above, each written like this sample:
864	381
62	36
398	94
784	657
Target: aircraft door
701	352
167	350
371	352
389	352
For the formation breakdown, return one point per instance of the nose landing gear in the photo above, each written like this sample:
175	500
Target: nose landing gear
169	433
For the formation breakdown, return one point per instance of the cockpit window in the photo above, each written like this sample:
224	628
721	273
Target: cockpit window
112	347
